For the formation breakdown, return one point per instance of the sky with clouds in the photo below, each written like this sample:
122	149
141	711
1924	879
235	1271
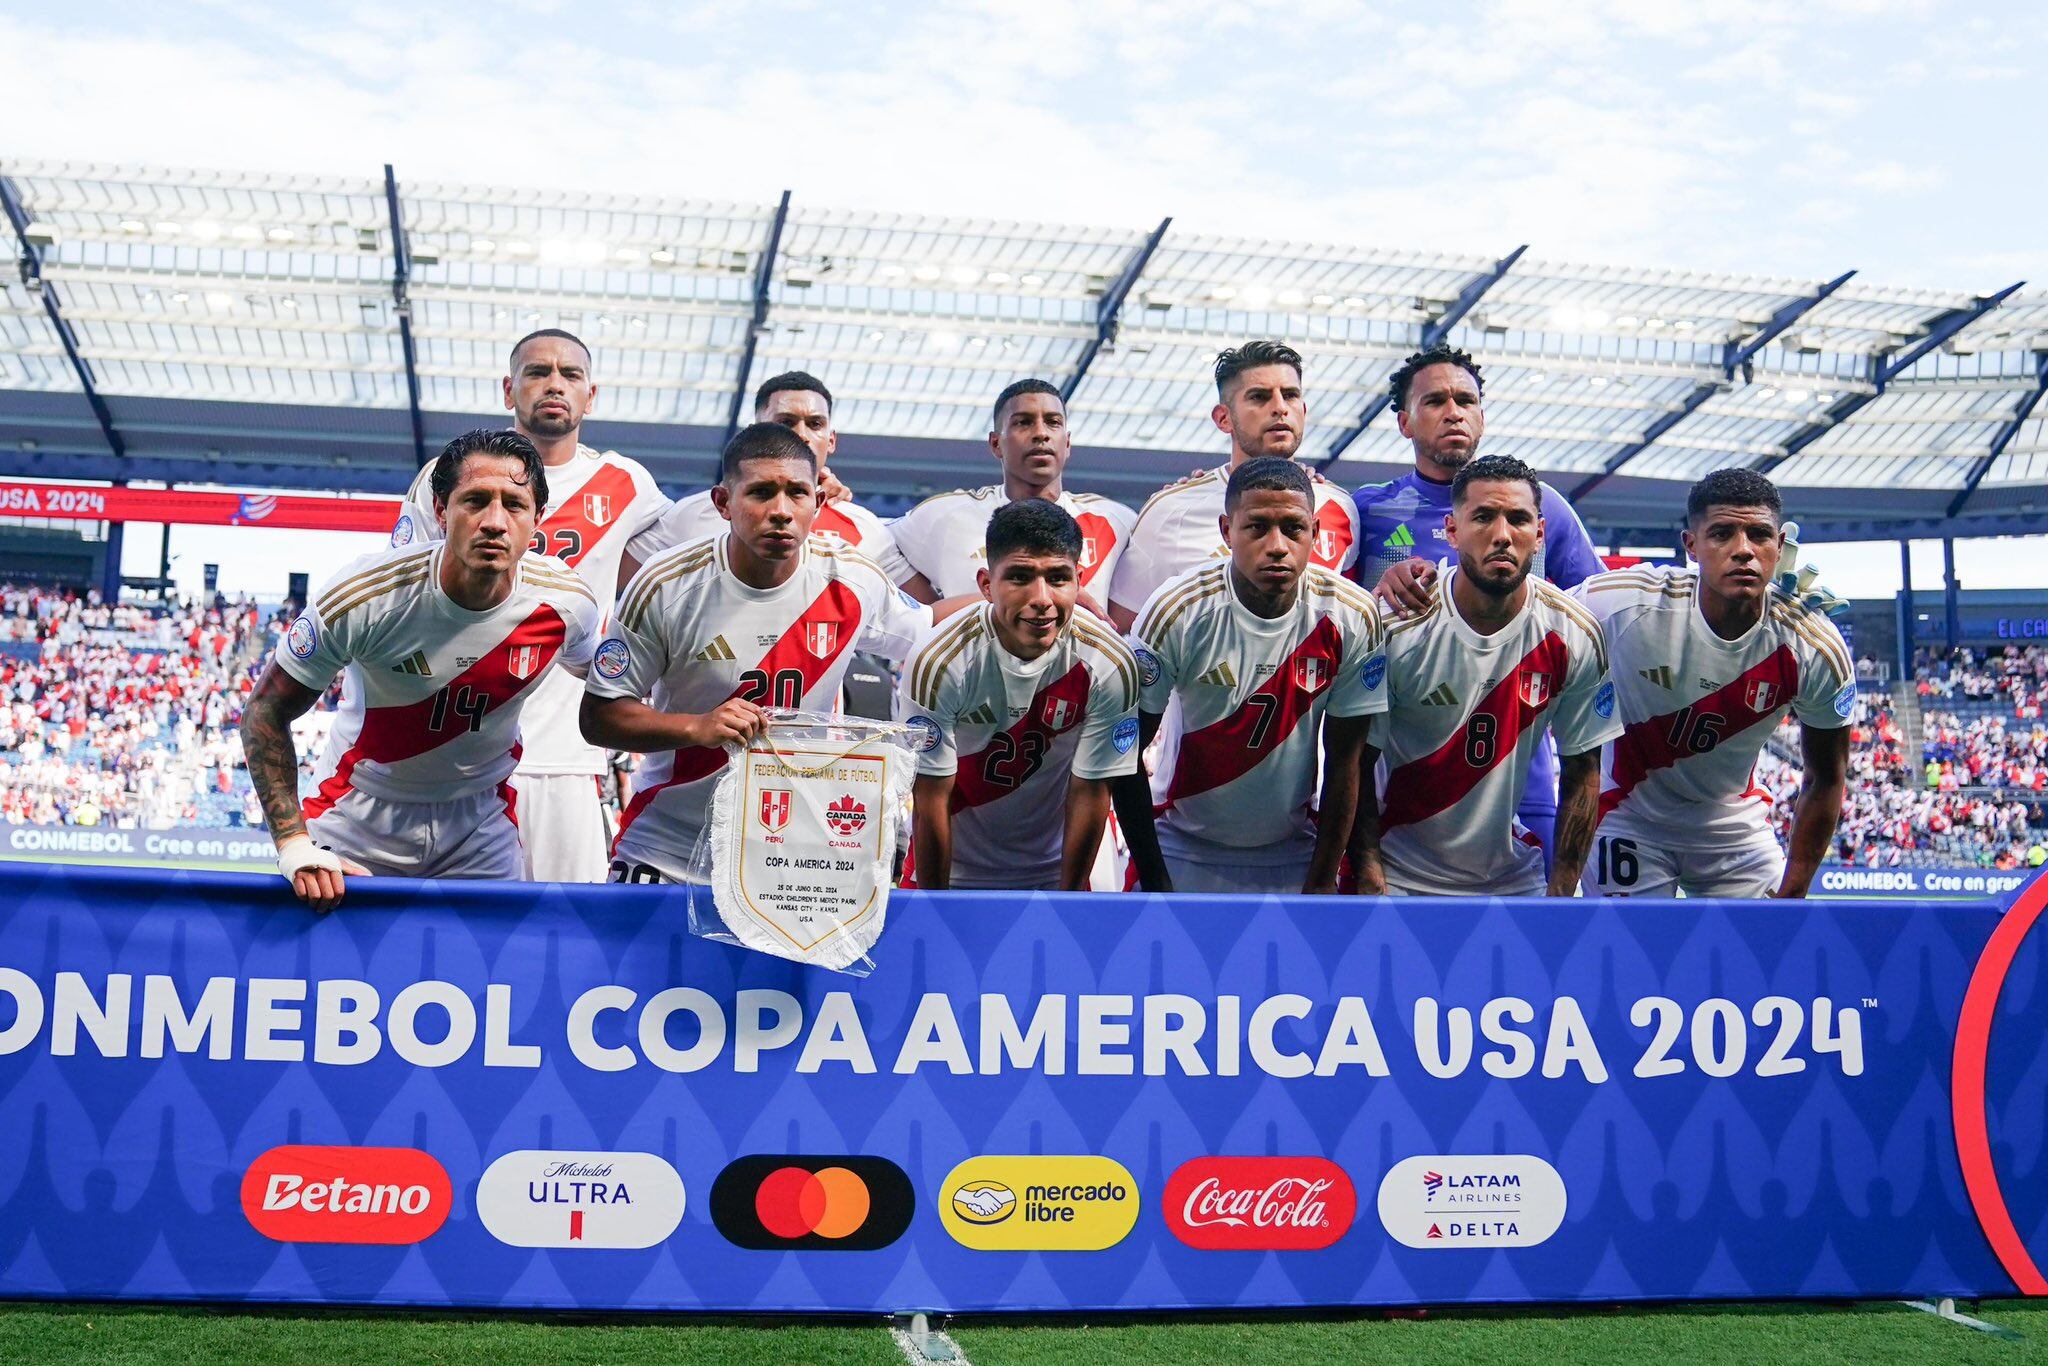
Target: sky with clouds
1750	136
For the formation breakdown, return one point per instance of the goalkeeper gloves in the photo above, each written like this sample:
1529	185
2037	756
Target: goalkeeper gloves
1802	584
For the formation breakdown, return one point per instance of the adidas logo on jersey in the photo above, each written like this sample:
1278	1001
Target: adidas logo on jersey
983	715
1662	675
1443	695
1219	677
414	664
1402	539
716	651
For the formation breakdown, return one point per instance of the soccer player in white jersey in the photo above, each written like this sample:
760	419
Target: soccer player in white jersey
941	540
1023	710
1706	661
600	520
1473	681
710	632
802	403
1257	665
444	644
1261	408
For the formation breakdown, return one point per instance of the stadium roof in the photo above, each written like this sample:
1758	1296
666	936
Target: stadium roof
299	331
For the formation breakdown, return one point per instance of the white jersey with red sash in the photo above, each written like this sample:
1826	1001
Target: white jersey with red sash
1178	529
601	506
1241	741
945	538
844	523
431	703
1464	712
1698	708
688	635
1011	731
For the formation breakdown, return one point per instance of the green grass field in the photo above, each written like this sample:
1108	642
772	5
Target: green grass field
1861	1334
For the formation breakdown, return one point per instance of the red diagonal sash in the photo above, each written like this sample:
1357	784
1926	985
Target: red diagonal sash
1033	734
1099	534
392	734
610	491
831	519
836	608
1333	532
1222	751
1646	746
1436	782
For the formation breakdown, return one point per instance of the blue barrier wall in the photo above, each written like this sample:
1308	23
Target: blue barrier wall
503	1095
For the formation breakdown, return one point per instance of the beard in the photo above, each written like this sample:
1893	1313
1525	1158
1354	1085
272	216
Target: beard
550	425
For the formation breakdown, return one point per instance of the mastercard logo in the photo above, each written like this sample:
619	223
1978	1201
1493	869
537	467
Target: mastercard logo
812	1203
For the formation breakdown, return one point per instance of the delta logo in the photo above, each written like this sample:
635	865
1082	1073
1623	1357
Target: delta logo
816	1204
1506	1200
1281	1204
1039	1203
305	1193
544	1198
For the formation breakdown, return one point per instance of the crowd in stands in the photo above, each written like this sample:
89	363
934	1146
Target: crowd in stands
126	715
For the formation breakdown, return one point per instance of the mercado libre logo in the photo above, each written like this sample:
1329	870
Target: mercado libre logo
1289	1204
542	1198
1016	1204
816	1203
305	1193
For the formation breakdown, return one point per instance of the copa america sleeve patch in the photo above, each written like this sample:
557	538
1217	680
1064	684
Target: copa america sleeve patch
1374	673
402	533
612	658
1125	735
1845	701
1148	665
1603	701
924	733
303	638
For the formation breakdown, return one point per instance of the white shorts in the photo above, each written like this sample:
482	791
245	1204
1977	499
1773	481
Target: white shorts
1629	861
1235	879
987	880
1529	883
643	875
562	823
471	837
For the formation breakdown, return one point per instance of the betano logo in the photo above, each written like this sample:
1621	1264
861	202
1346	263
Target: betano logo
304	1193
536	1198
1022	1203
819	1204
1513	1200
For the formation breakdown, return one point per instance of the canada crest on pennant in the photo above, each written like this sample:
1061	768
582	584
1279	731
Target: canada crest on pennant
1535	689
1760	694
774	807
597	508
522	660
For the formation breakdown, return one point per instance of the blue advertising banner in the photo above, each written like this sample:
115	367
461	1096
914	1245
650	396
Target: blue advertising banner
522	1096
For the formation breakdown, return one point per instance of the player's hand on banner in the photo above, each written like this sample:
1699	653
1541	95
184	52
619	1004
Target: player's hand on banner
1406	587
1802	584
315	873
734	720
830	490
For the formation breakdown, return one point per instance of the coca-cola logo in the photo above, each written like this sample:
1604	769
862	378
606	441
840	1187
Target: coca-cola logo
1288	1204
304	1193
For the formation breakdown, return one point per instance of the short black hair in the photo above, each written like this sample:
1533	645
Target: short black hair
513	361
792	381
1733	487
763	441
498	441
1275	472
1035	526
1234	361
1440	354
1018	390
1496	469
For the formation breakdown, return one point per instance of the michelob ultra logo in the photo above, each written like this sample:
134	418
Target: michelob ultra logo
1020	1204
306	1193
537	1198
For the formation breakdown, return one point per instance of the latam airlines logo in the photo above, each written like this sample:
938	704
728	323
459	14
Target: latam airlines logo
1289	1204
539	1198
1513	1200
303	1193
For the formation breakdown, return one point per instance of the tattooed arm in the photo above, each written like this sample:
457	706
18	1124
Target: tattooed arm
279	699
